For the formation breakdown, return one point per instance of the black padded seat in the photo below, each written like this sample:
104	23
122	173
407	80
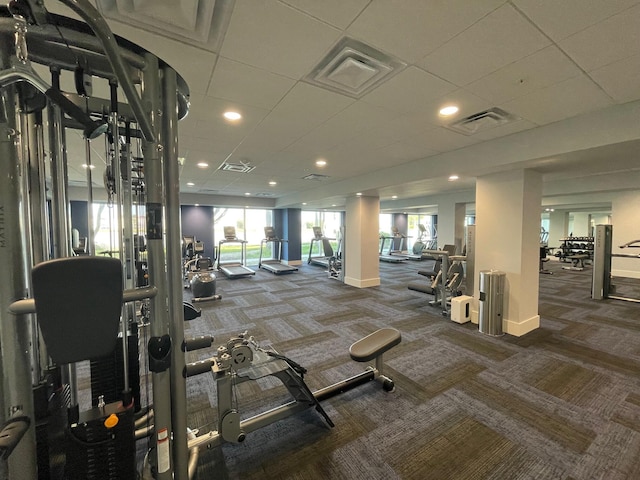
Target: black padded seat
374	344
78	304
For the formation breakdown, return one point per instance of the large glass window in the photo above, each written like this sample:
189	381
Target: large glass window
329	222
249	225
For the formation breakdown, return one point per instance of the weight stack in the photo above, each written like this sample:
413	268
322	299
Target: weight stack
101	446
107	374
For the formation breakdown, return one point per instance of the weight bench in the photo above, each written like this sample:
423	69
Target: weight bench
373	347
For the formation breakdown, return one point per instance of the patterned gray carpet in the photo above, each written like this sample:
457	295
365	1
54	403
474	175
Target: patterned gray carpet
562	402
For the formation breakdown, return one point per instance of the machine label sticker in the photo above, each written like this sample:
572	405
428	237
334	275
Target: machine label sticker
164	462
154	221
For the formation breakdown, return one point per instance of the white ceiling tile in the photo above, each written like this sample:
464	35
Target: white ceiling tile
403	152
620	79
611	40
562	100
412	28
504	130
350	122
304	108
561	19
247	85
440	139
541	69
275	37
179	55
339	13
408	90
498	39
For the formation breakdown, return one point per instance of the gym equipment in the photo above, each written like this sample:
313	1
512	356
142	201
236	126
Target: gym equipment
324	247
78	302
235	268
601	284
544	250
242	359
203	280
442	287
393	255
12	432
274	265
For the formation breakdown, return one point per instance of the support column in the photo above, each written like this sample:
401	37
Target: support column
291	219
508	239
362	267
451	217
558	225
581	224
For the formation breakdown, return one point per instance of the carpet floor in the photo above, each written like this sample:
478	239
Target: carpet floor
562	402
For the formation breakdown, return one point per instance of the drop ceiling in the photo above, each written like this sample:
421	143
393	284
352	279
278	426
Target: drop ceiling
568	73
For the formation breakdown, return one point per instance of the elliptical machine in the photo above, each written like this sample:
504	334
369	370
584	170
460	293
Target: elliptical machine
198	271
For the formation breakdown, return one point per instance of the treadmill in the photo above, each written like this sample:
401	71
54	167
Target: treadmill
392	256
275	264
327	249
233	268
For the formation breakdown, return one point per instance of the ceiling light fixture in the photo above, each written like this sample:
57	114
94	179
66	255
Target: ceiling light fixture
393	197
84	165
190	184
321	163
453	177
359	194
202	164
272	183
247	193
448	110
233	116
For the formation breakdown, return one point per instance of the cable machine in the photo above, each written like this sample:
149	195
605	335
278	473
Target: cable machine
31	105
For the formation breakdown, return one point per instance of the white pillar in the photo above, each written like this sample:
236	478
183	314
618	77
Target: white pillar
361	265
451	217
558	225
508	239
581	224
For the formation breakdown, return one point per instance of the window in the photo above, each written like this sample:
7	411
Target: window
329	222
249	225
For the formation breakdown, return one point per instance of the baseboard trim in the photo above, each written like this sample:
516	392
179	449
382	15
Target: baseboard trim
368	282
517	329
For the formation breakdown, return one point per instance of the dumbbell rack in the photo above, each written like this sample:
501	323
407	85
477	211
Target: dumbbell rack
575	246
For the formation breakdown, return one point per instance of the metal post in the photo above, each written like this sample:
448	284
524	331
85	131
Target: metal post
15	335
160	342
169	138
60	207
91	248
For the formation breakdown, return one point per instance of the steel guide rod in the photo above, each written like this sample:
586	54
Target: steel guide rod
169	139
159	351
15	336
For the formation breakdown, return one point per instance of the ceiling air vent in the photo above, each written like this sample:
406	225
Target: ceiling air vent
353	68
240	167
315	176
264	194
494	117
201	23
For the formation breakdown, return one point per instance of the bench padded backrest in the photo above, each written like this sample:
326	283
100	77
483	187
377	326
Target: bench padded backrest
78	304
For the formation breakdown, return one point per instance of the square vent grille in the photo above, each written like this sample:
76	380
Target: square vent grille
240	167
201	23
353	68
315	177
494	117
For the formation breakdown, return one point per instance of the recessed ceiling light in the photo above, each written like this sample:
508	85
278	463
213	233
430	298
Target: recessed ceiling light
304	203
247	193
321	163
84	165
272	183
334	205
448	110
197	205
202	164
359	194
232	115
453	177
190	184
393	197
